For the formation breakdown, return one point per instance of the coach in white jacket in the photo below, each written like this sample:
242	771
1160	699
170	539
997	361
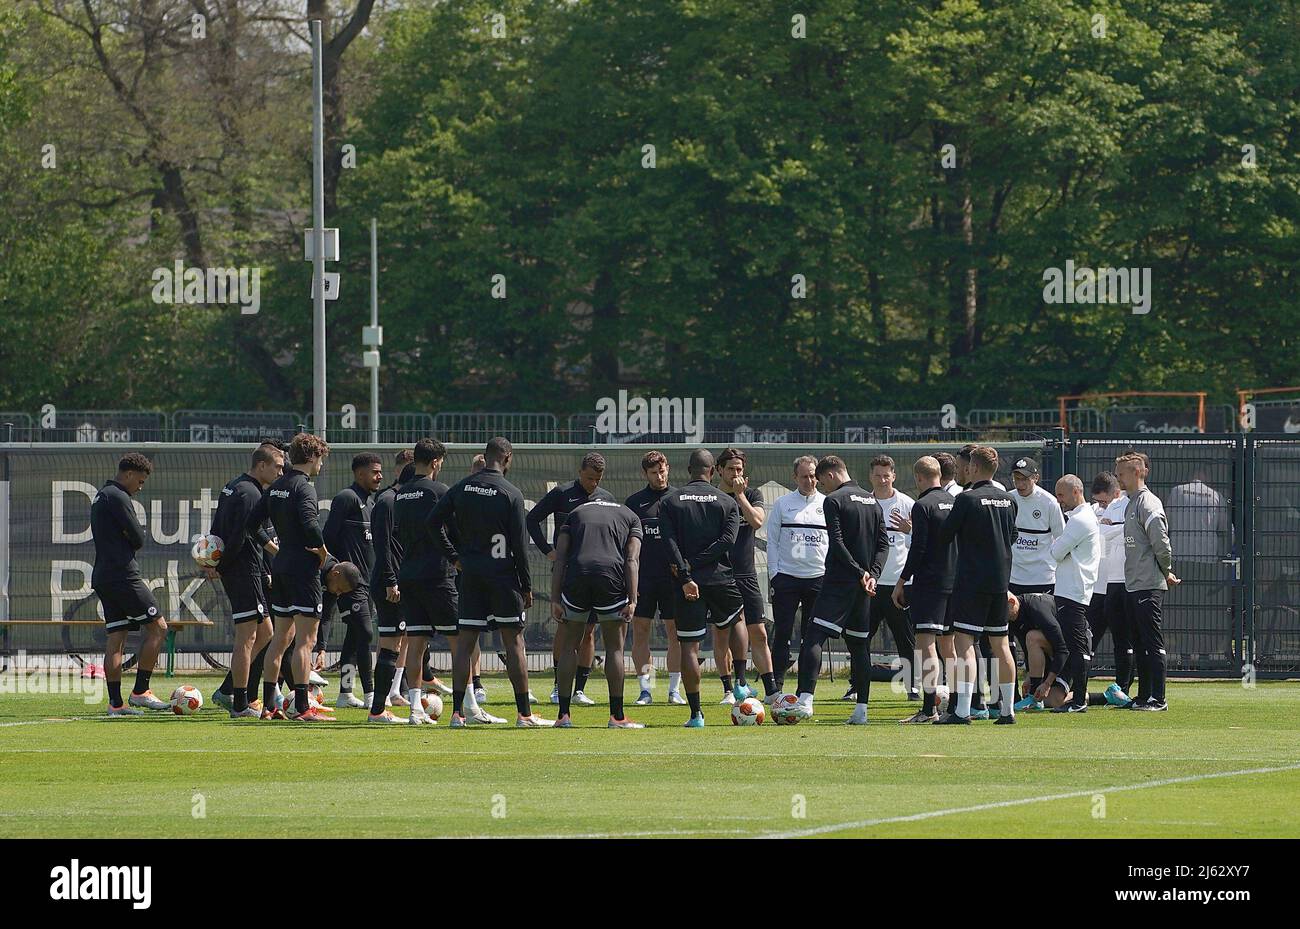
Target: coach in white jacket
1076	553
796	559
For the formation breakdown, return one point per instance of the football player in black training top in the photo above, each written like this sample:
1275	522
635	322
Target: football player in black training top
127	601
699	525
240	569
859	545
348	535
296	590
486	513
595	581
655	593
983	523
560	501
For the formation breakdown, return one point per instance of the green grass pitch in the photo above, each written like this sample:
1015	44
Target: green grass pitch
1223	762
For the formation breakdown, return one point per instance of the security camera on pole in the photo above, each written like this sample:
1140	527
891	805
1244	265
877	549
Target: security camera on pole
320	244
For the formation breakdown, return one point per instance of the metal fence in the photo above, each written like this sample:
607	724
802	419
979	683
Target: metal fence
541	428
1233	504
1080	419
350	428
15	427
233	426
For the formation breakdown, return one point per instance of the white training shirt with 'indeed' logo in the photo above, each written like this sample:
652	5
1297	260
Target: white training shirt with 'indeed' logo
899	542
1038	523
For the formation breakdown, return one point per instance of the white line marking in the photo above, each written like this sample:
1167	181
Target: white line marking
1001	804
37	722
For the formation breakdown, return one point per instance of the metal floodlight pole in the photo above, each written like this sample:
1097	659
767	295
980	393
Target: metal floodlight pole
318	229
374	322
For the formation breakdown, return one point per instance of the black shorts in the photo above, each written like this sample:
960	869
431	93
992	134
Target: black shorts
247	595
1019	589
656	594
752	596
388	617
843	608
489	603
428	608
929	609
592	598
719	604
980	614
296	595
127	605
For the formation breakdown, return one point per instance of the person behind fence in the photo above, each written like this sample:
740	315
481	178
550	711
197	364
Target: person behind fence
796	560
1077	554
1148	573
127	601
240	572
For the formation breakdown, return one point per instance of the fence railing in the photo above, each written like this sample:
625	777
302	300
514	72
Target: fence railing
718	427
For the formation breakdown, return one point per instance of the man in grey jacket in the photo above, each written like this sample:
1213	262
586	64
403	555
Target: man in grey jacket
1148	573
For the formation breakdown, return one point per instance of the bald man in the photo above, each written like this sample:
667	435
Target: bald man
1076	553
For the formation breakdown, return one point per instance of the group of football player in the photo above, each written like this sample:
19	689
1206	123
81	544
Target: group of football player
958	573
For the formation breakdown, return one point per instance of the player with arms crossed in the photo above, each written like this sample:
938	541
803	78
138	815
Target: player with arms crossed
595	580
729	649
983	524
655	589
127	602
699	525
560	501
240	570
486	512
859	545
296	589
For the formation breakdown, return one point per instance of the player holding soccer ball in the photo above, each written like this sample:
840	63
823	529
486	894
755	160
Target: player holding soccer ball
595	580
127	602
859	545
240	571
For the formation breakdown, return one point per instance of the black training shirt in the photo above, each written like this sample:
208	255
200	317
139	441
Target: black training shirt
930	562
598	533
291	504
347	530
117	534
859	541
560	500
485	512
699	525
654	553
983	522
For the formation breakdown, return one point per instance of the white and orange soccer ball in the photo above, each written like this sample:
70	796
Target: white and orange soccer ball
432	704
207	550
186	700
748	712
781	714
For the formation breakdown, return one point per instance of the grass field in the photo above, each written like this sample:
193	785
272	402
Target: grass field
1223	762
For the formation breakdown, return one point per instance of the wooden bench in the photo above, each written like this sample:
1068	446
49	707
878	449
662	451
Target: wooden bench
172	626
